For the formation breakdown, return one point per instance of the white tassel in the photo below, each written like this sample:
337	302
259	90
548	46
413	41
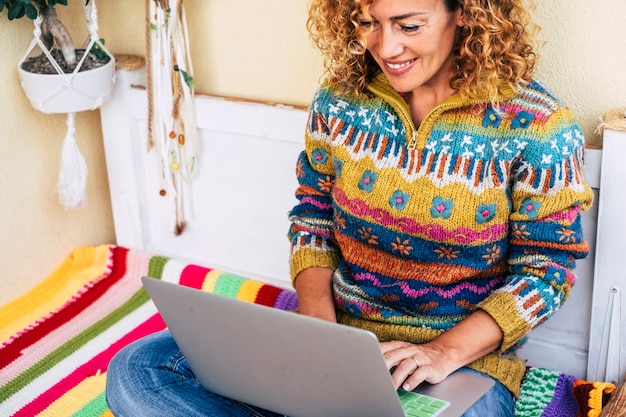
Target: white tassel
72	181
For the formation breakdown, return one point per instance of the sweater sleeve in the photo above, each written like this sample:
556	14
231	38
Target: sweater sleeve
311	231
545	232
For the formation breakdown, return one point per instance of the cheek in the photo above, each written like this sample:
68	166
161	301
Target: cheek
370	41
441	47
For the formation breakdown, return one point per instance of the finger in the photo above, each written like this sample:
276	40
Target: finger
424	373
405	369
413	380
393	345
392	353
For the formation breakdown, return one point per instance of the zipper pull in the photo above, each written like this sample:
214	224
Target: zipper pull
413	142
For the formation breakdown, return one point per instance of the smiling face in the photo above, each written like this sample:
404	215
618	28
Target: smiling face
412	41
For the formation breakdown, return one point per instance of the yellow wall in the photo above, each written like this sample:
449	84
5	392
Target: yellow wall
244	48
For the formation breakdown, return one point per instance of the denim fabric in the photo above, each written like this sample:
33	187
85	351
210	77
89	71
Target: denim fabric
151	378
497	402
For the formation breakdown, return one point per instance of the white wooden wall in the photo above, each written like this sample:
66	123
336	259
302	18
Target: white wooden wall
238	217
238	213
607	350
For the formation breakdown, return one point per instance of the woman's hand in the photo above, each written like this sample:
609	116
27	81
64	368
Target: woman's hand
471	339
415	364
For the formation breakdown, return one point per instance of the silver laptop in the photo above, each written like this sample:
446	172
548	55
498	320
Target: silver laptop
293	364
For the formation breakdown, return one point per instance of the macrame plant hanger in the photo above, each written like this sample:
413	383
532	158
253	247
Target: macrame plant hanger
70	93
172	126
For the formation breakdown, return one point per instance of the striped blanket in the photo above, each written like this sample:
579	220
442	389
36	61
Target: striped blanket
56	341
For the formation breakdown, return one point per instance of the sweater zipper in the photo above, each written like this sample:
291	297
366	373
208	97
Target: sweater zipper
414	133
401	107
439	109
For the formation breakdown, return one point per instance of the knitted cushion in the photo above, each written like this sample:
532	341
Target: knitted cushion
592	397
617	404
547	393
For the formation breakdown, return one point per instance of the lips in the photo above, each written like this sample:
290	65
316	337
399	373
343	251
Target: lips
399	67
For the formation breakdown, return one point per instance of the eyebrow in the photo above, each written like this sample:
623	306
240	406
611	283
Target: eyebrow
402	17
407	15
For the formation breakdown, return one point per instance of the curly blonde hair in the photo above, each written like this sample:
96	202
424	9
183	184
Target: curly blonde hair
494	51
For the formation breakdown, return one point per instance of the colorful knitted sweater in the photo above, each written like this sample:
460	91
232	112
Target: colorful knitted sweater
479	208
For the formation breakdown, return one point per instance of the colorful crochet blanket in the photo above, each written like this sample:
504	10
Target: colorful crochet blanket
56	341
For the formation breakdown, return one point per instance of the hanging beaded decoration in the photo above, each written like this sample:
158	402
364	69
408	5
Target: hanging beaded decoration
172	127
70	93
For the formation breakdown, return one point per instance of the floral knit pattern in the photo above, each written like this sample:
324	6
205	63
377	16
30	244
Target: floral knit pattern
478	208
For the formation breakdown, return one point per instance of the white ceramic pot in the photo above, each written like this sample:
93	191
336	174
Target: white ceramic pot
69	93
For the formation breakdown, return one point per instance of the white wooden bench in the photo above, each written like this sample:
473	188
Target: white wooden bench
238	215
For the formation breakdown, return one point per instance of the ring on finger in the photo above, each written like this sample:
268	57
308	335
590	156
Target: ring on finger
417	365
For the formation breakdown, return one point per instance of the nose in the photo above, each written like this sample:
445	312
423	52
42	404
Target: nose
387	43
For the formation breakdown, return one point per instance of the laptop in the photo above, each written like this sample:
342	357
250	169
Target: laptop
293	364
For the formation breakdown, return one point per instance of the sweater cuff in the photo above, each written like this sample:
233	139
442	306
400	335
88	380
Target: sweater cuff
504	310
307	258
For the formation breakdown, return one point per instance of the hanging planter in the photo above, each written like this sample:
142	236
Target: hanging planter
57	78
62	92
64	79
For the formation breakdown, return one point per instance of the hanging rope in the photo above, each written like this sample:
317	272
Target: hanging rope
613	120
149	73
172	128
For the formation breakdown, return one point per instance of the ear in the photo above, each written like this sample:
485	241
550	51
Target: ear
459	16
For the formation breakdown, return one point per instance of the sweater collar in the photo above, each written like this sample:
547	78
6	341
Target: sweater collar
417	137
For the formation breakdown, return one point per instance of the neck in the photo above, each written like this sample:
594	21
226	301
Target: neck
422	101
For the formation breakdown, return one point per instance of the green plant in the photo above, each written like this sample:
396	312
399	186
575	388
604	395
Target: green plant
29	8
52	30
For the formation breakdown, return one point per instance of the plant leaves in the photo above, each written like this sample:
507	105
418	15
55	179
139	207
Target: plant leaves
191	83
16	11
31	12
98	51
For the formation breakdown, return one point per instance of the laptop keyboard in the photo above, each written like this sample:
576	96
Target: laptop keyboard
420	405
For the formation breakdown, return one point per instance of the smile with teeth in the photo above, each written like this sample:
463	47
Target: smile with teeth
399	66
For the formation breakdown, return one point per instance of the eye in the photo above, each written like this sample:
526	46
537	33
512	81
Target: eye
366	22
410	28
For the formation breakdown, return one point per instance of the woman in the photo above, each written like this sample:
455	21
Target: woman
439	201
440	188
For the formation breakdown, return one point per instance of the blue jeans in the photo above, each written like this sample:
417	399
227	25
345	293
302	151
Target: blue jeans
150	377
